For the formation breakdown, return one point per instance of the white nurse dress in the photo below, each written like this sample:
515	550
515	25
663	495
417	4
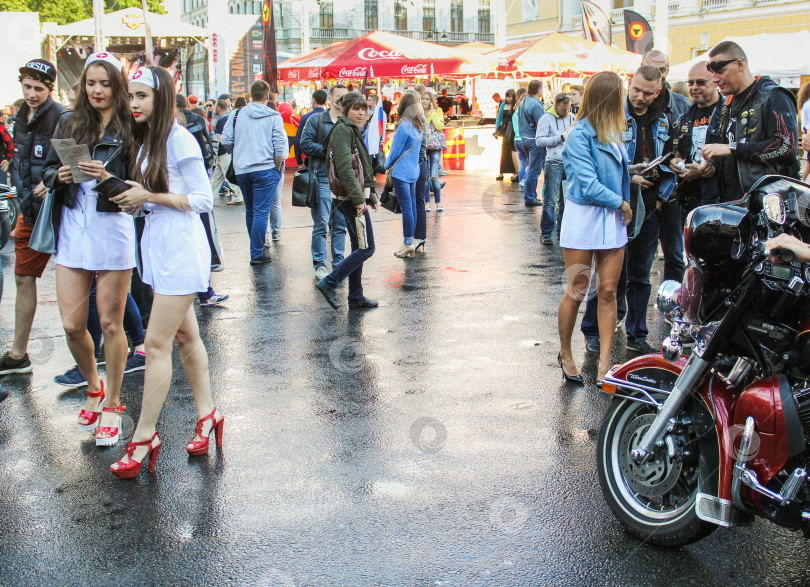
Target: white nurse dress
176	257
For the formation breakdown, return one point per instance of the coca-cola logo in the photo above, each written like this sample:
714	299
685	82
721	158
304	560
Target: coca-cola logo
419	69
314	74
352	73
293	74
371	54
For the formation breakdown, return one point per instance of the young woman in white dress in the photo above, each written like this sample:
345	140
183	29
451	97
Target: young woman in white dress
597	212
95	237
173	186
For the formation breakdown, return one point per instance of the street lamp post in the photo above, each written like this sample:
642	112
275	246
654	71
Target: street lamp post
98	37
661	36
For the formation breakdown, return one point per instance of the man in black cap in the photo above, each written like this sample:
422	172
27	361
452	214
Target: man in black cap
33	128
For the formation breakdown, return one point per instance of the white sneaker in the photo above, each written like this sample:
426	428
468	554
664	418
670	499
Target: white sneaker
427	208
439	208
321	272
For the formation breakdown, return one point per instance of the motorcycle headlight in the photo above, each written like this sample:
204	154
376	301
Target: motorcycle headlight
669	296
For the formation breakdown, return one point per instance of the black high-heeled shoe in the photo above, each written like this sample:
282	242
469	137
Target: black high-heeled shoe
566	376
421	245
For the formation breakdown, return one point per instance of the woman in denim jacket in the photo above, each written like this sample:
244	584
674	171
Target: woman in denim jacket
596	214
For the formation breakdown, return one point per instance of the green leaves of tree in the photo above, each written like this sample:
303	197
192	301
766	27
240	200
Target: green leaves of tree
67	11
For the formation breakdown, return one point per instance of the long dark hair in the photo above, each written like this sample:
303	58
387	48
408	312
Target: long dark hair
85	123
152	137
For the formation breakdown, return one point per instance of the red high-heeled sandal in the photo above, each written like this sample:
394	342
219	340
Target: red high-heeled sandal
114	432
132	467
199	447
92	417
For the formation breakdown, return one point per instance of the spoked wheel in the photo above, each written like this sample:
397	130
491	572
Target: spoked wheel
656	500
14	211
5	227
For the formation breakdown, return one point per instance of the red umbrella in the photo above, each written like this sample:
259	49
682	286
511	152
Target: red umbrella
378	54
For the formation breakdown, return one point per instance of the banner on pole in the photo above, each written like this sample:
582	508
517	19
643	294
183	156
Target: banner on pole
270	61
595	24
638	34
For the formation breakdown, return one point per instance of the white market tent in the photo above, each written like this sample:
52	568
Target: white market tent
792	49
128	23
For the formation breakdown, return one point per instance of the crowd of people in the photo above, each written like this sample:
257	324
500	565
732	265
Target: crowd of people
606	193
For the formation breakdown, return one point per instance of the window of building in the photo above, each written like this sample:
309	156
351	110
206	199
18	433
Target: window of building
484	16
457	16
280	16
400	17
429	16
327	17
371	12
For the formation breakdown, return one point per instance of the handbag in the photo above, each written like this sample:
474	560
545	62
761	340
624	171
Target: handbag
305	181
436	141
305	187
230	174
389	200
43	235
335	184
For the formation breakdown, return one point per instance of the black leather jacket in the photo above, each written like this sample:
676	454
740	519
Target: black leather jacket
109	149
32	144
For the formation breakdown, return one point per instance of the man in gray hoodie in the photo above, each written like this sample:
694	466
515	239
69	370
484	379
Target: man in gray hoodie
259	145
551	135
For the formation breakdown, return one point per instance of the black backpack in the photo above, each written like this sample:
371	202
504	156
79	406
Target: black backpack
196	125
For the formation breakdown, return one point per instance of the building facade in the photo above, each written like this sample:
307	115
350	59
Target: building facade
448	22
694	25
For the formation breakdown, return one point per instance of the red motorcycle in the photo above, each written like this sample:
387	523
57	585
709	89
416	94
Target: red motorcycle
720	436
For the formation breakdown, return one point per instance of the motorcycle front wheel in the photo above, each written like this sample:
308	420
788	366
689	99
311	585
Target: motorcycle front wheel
14	211
654	501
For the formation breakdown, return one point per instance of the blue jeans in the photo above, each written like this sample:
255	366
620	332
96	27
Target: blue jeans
434	163
406	194
671	236
537	157
639	257
323	217
420	228
553	191
259	190
523	157
352	266
275	209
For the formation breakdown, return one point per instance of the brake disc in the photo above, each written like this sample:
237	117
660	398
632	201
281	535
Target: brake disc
654	478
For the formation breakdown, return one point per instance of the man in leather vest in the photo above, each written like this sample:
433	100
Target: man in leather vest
33	128
698	127
758	125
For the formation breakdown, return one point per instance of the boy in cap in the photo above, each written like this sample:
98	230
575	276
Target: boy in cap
33	128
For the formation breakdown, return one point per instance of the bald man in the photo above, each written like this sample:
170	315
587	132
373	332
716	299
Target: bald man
674	106
759	125
698	127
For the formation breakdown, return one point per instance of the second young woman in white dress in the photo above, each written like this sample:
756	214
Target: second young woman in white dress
95	238
173	187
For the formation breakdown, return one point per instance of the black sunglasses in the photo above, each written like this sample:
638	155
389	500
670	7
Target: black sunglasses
696	82
717	66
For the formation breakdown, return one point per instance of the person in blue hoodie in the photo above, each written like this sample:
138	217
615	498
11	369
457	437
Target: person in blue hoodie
551	135
258	158
404	158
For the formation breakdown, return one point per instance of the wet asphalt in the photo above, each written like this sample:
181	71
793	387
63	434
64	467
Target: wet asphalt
429	442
